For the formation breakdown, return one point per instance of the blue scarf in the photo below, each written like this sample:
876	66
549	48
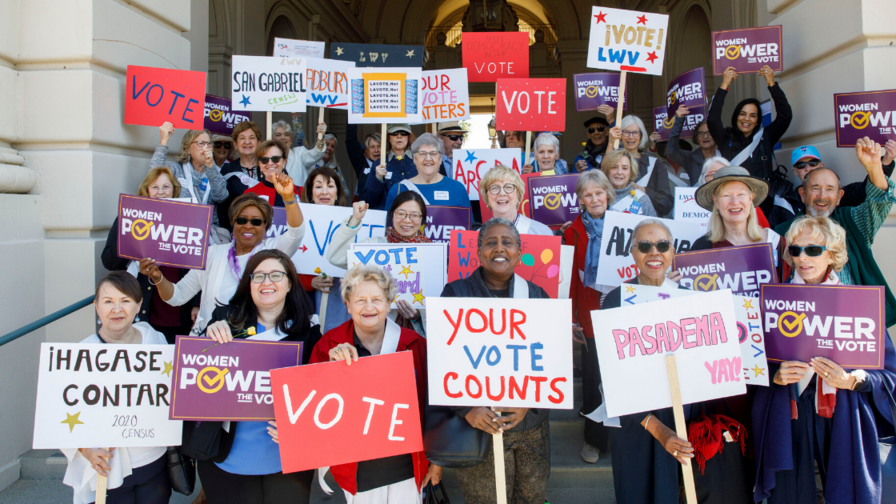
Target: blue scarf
595	229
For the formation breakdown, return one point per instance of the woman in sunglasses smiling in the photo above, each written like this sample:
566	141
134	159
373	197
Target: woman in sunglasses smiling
223	149
271	156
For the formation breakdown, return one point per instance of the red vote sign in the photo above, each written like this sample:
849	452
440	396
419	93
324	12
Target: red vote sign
331	413
489	56
531	104
155	95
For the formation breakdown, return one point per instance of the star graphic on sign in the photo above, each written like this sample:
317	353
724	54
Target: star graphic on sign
72	421
470	157
758	370
630	288
245	101
642	20
419	297
601	17
405	270
339	51
748	303
410	53
652	56
168	368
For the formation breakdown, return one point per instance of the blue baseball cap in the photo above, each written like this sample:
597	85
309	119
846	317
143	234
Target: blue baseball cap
804	151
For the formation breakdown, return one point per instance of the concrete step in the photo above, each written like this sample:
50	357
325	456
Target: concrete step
42	465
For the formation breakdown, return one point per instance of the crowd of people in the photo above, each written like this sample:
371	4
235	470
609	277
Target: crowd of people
821	233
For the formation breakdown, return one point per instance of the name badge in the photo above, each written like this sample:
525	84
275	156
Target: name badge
367	171
264	197
635	208
441	195
389	176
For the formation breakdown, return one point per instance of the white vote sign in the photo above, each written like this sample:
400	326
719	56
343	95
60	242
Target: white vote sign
327	84
626	40
385	95
687	209
115	396
445	95
470	165
265	83
632	344
289	48
616	262
420	269
513	353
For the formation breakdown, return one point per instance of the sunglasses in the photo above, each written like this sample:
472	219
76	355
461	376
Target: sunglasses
662	246
400	133
802	164
454	138
242	221
599	128
811	250
226	145
275	159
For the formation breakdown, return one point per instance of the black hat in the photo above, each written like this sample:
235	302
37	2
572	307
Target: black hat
596	119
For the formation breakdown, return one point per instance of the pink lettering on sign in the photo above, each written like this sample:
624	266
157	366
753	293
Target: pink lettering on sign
708	330
727	370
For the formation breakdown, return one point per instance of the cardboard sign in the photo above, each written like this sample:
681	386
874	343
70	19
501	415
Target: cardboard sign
844	323
378	55
616	263
173	233
470	165
531	104
743	269
632	343
230	381
553	200
539	264
442	220
327	83
419	269
385	95
687	209
747	50
156	95
332	413
663	122
749	325
627	40
567	255
596	89
871	114
219	118
289	48
499	352
688	89
321	222
268	84
104	395
489	56
445	95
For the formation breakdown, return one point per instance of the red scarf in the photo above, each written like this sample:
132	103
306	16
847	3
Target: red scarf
707	435
394	237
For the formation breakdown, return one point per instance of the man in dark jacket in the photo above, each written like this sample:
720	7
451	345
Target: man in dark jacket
598	130
364	157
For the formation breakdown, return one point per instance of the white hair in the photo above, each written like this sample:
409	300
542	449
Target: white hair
633	119
709	164
281	124
430	140
649	222
547	139
368	273
330	136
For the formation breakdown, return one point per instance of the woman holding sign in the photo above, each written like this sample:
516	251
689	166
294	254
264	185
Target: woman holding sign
621	168
503	190
653	173
693	161
117	301
398	166
526	432
435	188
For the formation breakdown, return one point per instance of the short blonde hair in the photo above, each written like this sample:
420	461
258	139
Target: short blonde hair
613	157
595	177
822	231
497	174
151	177
368	273
717	230
187	140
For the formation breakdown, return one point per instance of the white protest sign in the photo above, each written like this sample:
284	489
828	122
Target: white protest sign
289	48
92	395
470	165
626	40
268	84
749	328
632	344
512	353
567	255
419	269
383	95
445	95
327	84
687	209
616	263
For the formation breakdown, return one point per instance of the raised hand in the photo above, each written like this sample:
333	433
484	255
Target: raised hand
682	111
769	74
728	77
284	186
165	131
359	210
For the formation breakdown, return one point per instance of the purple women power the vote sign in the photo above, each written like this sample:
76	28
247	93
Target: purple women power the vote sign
219	117
552	199
747	50
441	220
687	89
596	89
230	381
663	121
742	269
844	323
869	114
171	232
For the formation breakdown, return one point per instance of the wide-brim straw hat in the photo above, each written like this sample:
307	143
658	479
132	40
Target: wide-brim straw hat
731	174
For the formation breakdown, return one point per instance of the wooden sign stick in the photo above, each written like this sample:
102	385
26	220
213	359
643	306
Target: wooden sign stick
528	143
269	120
500	478
320	120
620	104
101	487
681	427
383	145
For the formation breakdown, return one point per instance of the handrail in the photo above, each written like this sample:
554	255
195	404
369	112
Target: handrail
37	324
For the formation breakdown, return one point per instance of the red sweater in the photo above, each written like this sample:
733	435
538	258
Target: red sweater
346	475
266	190
584	299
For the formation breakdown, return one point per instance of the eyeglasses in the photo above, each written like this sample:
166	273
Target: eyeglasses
811	250
401	215
599	128
275	276
628	133
701	134
275	159
400	133
428	155
802	164
226	145
242	221
662	246
203	143
454	138
506	189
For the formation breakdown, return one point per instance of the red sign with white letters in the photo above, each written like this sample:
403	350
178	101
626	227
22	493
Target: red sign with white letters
332	413
156	95
531	104
489	56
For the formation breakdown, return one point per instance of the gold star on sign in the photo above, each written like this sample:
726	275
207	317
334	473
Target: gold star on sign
169	367
410	53
748	303
405	270
630	288
339	51
419	297
72	421
758	370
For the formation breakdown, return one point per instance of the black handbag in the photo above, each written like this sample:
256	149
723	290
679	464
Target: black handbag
181	471
429	494
450	441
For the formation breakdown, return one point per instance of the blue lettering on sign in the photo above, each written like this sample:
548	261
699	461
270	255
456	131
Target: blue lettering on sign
535	356
364	258
470	356
516	355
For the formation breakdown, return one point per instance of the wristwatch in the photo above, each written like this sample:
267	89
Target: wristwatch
859	375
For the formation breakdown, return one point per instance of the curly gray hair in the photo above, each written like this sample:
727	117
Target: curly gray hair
368	273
